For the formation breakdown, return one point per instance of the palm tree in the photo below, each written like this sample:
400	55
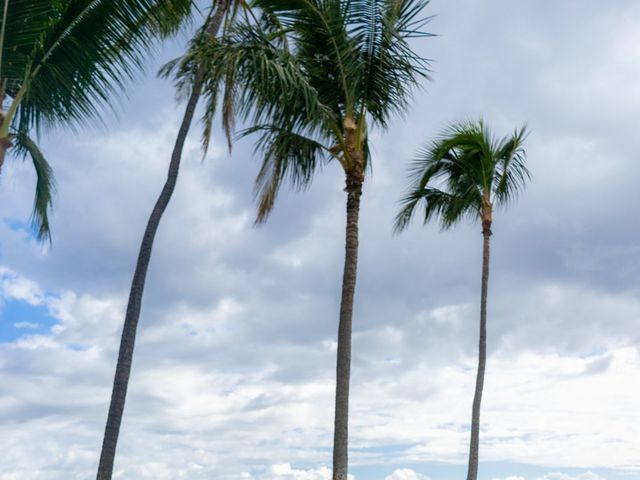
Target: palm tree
63	62
313	76
466	173
191	72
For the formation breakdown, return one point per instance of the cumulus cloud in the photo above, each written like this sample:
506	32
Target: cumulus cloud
14	286
406	474
559	476
284	471
564	476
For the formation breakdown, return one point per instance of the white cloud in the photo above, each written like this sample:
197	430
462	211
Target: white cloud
564	476
15	287
406	474
283	471
26	325
559	476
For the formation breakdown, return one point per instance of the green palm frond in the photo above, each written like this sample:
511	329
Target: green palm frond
167	17
25	147
512	171
390	68
464	167
288	157
247	53
185	71
323	47
23	30
274	89
65	60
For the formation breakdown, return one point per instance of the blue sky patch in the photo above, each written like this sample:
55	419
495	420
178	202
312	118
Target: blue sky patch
20	225
487	471
19	318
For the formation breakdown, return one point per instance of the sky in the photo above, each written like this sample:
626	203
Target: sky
235	360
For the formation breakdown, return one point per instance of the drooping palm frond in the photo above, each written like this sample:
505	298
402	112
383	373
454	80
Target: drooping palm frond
512	171
287	156
465	167
25	147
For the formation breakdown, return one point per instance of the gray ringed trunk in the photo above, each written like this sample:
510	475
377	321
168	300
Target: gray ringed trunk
127	340
343	365
472	473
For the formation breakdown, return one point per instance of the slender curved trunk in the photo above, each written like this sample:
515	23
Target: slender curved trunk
127	341
343	366
472	473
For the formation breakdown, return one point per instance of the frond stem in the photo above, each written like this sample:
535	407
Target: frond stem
4	24
4	129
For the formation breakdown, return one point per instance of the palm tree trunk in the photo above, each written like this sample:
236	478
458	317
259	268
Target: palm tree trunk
472	473
5	145
127	341
343	369
5	142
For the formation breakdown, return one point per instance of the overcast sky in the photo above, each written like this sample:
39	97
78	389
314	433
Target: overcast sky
234	366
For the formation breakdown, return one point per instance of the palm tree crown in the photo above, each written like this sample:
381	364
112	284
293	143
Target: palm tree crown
314	72
465	173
